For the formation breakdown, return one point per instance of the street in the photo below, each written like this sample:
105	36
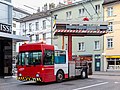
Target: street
94	82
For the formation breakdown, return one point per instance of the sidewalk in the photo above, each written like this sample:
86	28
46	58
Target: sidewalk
10	79
108	73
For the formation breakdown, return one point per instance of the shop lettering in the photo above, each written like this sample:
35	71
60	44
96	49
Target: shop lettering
5	28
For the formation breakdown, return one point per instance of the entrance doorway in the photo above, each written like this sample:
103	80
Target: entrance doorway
97	62
5	57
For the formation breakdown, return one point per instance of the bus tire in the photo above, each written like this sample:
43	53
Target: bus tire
83	74
59	76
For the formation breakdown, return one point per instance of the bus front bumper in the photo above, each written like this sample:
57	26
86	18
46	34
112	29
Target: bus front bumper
28	79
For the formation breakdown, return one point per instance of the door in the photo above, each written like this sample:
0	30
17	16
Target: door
1	59
97	62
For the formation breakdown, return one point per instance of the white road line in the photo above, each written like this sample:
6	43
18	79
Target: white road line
116	82
91	86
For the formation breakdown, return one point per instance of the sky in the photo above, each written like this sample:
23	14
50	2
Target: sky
32	3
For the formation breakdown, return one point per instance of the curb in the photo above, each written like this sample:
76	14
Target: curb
108	74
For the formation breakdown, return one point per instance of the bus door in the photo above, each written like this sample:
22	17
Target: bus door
48	62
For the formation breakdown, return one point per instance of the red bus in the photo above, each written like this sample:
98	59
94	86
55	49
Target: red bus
42	63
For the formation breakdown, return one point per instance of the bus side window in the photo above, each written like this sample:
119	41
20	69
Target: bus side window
49	57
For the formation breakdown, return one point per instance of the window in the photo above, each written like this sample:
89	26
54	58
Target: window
81	12
14	25
110	11
30	26
44	24
30	38
37	25
44	36
109	43
97	8
48	57
81	46
14	32
110	26
14	47
68	15
30	58
60	57
37	37
66	46
97	45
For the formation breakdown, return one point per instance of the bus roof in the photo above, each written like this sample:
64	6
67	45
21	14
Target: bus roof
35	47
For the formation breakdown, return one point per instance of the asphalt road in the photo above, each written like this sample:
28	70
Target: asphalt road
94	82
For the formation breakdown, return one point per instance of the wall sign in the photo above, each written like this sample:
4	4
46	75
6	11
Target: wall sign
5	28
87	27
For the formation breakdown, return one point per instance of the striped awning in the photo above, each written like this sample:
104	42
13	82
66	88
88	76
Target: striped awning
80	32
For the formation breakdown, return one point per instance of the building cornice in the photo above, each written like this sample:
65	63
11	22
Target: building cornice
20	10
107	2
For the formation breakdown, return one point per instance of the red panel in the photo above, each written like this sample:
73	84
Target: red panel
46	72
35	46
80	32
69	47
66	75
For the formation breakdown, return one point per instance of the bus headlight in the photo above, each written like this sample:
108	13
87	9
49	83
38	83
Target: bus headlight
19	74
37	75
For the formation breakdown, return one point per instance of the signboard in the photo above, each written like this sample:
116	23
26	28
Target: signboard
5	28
87	27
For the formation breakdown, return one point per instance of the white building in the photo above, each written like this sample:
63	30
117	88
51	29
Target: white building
37	27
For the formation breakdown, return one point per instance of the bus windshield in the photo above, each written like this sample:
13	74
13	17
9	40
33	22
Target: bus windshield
30	58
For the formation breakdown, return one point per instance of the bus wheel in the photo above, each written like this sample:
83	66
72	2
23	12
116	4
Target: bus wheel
59	76
83	74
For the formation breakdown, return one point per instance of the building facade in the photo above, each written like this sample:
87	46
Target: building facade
40	26
5	42
86	47
111	39
37	26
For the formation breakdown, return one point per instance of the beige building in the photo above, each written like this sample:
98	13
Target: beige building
112	38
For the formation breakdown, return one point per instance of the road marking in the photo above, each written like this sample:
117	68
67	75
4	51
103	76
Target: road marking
91	86
116	82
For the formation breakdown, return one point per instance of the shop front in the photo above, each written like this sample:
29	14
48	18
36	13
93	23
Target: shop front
113	63
88	58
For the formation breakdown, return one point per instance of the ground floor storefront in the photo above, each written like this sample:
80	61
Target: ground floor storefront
113	63
6	56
